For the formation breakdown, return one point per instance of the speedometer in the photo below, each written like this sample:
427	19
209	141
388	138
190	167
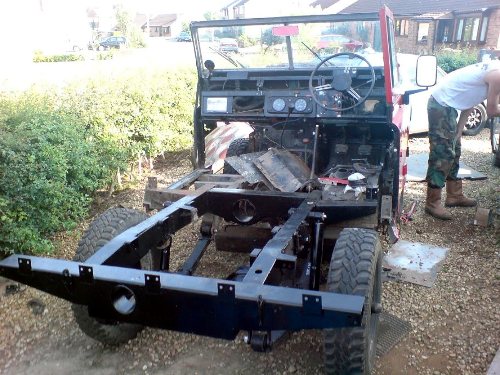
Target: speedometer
279	104
300	105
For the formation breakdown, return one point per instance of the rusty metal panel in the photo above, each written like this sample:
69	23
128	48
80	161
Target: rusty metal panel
244	165
286	171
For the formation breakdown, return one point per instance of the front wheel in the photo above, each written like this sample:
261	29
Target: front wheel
355	268
103	229
237	147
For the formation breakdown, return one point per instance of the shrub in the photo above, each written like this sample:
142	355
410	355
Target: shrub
57	147
48	169
40	57
450	60
144	113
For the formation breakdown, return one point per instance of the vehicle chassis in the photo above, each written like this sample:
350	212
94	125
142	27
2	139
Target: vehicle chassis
179	301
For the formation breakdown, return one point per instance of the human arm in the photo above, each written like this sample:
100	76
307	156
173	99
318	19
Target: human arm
493	81
462	120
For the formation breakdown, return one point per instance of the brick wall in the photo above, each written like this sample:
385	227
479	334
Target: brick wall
409	44
493	36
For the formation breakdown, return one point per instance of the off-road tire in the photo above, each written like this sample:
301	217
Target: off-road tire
236	148
355	268
478	110
104	228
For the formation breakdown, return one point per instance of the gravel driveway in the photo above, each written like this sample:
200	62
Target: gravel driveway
455	324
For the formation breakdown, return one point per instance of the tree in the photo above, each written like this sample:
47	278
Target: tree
127	28
211	16
269	39
123	20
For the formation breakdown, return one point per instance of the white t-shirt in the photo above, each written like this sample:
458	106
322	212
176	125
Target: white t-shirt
464	88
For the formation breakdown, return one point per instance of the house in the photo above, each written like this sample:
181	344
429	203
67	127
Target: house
424	26
159	26
265	8
234	10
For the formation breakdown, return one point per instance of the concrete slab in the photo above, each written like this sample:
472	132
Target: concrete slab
414	262
417	169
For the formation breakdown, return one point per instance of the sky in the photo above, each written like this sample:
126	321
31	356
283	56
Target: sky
27	24
24	23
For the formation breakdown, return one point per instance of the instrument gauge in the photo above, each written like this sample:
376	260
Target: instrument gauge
279	104
300	105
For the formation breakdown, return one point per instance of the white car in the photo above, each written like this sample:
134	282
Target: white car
418	102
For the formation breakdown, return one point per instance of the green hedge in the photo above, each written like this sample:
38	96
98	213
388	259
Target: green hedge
48	170
40	57
452	60
58	147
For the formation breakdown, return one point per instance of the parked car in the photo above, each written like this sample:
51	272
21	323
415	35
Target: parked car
228	45
418	121
112	42
337	43
184	36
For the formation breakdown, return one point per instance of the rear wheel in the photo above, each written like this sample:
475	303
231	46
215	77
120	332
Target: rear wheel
237	147
476	120
355	268
107	226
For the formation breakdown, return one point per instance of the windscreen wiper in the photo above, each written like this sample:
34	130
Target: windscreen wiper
316	54
235	62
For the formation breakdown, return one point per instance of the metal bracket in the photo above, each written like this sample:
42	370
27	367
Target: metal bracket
386	207
311	304
226	291
24	265
86	274
152	283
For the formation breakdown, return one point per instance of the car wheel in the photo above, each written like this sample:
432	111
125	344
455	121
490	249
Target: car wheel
476	120
102	230
356	269
237	147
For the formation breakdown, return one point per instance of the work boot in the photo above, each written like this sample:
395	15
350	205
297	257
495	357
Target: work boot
433	204
455	196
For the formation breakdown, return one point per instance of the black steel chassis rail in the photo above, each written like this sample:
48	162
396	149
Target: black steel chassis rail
177	301
212	307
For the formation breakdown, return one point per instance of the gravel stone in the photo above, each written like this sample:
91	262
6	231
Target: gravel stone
455	323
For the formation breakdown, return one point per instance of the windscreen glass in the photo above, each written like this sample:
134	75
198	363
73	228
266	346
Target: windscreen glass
288	46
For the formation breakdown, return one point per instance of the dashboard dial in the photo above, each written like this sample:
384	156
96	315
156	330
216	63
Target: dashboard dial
300	105
279	104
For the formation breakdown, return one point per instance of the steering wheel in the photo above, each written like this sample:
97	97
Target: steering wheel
341	83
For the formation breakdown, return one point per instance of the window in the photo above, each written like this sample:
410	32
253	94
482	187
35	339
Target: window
468	29
444	31
460	28
471	27
484	27
402	27
423	32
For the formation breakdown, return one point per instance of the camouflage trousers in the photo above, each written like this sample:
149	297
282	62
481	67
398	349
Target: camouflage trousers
445	147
